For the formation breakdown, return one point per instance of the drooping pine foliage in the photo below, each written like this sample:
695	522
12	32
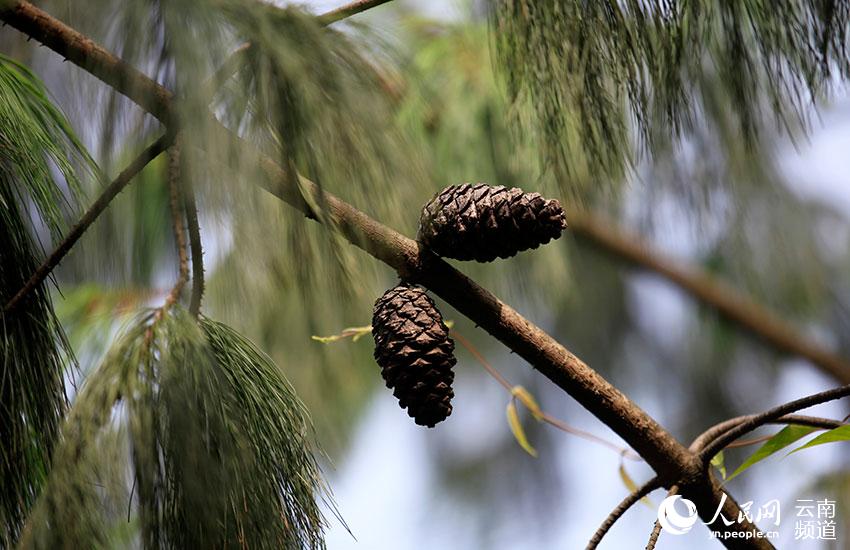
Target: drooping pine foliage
306	94
591	69
35	141
217	441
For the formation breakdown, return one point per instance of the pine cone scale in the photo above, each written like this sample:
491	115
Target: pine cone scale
415	353
481	222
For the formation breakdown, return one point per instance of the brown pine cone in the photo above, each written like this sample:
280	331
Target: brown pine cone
416	355
481	222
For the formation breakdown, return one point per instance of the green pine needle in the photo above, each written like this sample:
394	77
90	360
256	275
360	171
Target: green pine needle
596	71
35	142
218	441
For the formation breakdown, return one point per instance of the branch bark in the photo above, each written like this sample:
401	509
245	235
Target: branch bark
195	245
731	304
670	459
353	8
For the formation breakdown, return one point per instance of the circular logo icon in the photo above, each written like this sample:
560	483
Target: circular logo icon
671	520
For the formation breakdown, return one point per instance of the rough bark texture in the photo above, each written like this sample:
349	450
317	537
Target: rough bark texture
416	355
669	458
482	222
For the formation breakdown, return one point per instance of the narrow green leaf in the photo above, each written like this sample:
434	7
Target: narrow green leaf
517	430
841	433
719	462
785	437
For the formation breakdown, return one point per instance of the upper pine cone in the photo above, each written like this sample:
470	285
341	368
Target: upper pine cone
416	355
481	222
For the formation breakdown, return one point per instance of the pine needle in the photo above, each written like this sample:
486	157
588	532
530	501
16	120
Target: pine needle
597	72
218	441
35	142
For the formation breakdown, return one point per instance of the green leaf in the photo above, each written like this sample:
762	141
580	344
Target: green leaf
841	433
517	429
719	462
785	437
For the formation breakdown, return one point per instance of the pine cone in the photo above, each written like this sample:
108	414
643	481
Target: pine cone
481	222
416	355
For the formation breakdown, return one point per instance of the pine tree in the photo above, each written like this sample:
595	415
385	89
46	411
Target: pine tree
199	436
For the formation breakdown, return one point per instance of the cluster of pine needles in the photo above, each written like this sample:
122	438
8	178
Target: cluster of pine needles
218	446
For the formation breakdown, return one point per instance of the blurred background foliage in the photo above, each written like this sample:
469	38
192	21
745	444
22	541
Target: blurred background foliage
384	112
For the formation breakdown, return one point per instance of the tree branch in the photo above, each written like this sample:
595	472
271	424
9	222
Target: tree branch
653	536
621	509
196	247
353	8
671	461
731	304
99	205
175	196
757	420
698	444
721	428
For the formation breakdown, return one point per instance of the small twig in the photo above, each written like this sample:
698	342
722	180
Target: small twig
130	500
174	190
174	203
718	430
760	419
480	358
561	425
99	205
622	508
656	527
545	417
653	537
352	8
195	246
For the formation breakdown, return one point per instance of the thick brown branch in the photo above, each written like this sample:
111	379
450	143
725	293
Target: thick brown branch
671	461
99	205
731	304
